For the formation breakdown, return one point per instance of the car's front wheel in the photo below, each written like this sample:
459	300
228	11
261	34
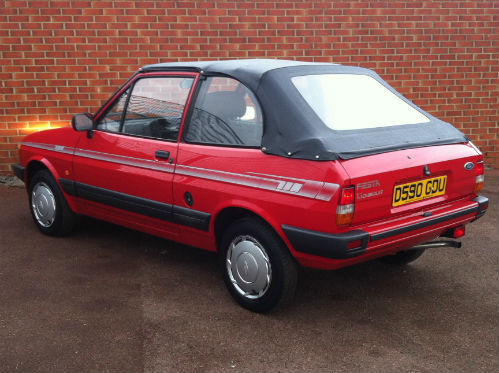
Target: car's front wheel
48	206
257	267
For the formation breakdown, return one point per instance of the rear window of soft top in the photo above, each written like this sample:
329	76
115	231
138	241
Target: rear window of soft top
355	101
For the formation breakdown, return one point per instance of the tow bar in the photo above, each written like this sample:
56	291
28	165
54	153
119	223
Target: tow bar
434	244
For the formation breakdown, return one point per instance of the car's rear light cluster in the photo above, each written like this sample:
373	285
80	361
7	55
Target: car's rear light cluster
479	172
346	206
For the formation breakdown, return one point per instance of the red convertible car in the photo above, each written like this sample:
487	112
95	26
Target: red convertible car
270	163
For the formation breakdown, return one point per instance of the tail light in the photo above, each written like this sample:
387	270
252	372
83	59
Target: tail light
479	176
458	232
346	206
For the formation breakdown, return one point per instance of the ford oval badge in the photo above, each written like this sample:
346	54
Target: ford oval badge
468	166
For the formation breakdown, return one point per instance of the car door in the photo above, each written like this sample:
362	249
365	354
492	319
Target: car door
220	148
123	169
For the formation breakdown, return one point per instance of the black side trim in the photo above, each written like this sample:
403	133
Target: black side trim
191	218
180	215
325	244
18	171
483	204
426	223
123	201
68	186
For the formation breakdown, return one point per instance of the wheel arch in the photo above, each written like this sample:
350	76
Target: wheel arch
228	214
37	164
40	163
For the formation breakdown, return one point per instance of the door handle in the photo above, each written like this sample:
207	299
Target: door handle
162	154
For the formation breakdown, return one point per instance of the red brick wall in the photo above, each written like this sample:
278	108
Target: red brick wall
63	57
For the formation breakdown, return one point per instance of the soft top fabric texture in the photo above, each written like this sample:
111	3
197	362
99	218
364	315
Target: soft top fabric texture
292	128
249	72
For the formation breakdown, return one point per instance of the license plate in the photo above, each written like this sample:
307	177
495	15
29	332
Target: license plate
419	190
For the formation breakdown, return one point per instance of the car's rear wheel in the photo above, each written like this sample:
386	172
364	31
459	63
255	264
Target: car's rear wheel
402	257
48	206
257	267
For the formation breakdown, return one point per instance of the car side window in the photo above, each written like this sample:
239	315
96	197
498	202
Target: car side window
156	107
111	121
226	112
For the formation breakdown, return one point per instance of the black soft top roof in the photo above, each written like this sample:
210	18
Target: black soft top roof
292	128
249	72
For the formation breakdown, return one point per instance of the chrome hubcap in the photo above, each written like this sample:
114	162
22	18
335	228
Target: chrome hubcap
248	266
43	204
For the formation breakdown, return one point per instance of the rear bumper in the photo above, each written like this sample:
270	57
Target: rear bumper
18	171
479	210
326	245
483	204
355	243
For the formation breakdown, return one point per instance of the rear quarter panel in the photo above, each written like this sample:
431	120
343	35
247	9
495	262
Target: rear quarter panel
279	190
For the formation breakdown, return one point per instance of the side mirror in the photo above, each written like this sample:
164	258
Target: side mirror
82	122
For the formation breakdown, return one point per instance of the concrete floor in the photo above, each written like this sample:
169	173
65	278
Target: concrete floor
107	299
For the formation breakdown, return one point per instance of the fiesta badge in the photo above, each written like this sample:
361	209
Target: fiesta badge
468	166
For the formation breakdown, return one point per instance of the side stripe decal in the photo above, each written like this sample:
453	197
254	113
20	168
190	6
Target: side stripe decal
299	187
304	188
129	161
54	148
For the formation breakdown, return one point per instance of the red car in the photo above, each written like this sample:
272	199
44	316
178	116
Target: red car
270	163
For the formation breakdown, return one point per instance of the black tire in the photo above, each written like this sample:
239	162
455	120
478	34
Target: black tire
59	219
259	239
402	257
